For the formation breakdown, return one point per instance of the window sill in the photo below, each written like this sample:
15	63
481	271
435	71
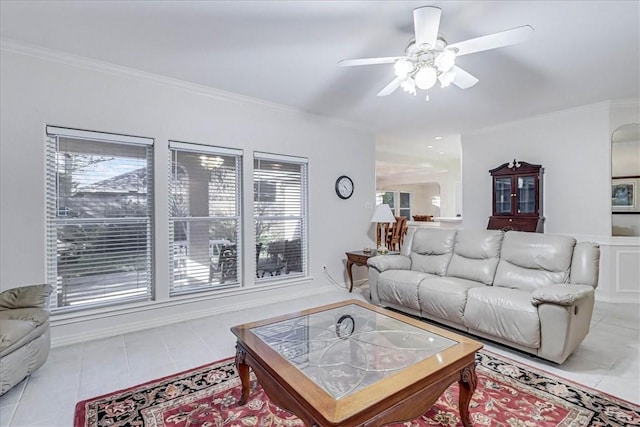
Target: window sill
59	319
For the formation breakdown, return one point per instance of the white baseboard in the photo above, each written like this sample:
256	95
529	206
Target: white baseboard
620	299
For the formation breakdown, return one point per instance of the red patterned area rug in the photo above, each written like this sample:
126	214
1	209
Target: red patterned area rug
508	394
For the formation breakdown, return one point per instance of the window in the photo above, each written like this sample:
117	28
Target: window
400	203
404	207
204	217
389	199
99	214
280	209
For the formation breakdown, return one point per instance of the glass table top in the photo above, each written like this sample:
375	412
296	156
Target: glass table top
345	349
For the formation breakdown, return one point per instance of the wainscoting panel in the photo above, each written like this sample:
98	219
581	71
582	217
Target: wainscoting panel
627	271
619	269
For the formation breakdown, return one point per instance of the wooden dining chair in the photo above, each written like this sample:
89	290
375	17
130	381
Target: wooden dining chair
396	234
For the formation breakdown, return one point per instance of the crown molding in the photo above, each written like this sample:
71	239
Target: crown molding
17	47
629	102
603	106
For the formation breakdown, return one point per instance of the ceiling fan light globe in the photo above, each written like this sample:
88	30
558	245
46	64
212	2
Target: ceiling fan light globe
445	60
409	86
446	78
426	77
402	68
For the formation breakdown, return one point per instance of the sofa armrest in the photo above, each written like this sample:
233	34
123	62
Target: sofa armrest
390	262
25	297
561	294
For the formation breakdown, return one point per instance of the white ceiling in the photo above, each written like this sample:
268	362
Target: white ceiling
286	52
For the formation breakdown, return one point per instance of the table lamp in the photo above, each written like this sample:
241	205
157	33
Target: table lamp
382	214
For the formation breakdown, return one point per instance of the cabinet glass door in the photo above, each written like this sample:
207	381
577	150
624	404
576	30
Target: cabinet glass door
526	194
503	196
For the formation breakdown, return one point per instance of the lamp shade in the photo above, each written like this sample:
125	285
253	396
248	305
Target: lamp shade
383	214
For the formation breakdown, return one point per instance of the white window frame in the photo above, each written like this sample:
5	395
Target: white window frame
286	271
180	261
60	301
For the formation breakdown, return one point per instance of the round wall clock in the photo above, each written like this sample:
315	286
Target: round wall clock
344	187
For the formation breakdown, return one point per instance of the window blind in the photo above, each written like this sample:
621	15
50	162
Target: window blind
280	213
99	217
204	213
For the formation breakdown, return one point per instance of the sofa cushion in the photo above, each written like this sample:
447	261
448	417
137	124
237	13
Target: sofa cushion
529	261
445	297
407	242
503	313
23	361
431	250
476	255
20	326
585	266
25	296
400	287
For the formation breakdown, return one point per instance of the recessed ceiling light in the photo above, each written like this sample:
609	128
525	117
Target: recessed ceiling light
437	138
440	152
429	146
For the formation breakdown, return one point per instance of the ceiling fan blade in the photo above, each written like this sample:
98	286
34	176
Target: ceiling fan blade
463	79
368	61
426	22
390	88
494	41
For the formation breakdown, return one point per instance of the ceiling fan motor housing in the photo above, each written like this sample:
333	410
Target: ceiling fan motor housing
426	64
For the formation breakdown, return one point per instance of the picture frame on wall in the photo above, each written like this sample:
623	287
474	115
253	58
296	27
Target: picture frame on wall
624	194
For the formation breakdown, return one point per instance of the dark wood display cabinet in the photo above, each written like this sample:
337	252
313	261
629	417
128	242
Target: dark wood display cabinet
517	197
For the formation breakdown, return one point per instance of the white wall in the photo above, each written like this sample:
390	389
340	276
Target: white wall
573	146
40	88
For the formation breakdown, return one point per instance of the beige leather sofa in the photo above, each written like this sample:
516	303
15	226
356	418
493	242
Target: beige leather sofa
24	333
530	291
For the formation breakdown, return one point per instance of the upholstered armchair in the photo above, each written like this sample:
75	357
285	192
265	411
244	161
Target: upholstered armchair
24	333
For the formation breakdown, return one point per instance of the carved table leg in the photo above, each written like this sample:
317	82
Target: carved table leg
467	382
349	265
243	373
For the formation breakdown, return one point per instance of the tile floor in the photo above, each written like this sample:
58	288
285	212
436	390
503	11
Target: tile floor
608	359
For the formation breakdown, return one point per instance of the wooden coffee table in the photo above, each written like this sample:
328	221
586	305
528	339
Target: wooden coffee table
354	364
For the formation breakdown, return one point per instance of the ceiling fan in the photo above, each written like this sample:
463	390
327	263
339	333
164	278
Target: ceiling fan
429	59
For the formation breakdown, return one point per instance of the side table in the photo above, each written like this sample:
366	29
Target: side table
358	258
